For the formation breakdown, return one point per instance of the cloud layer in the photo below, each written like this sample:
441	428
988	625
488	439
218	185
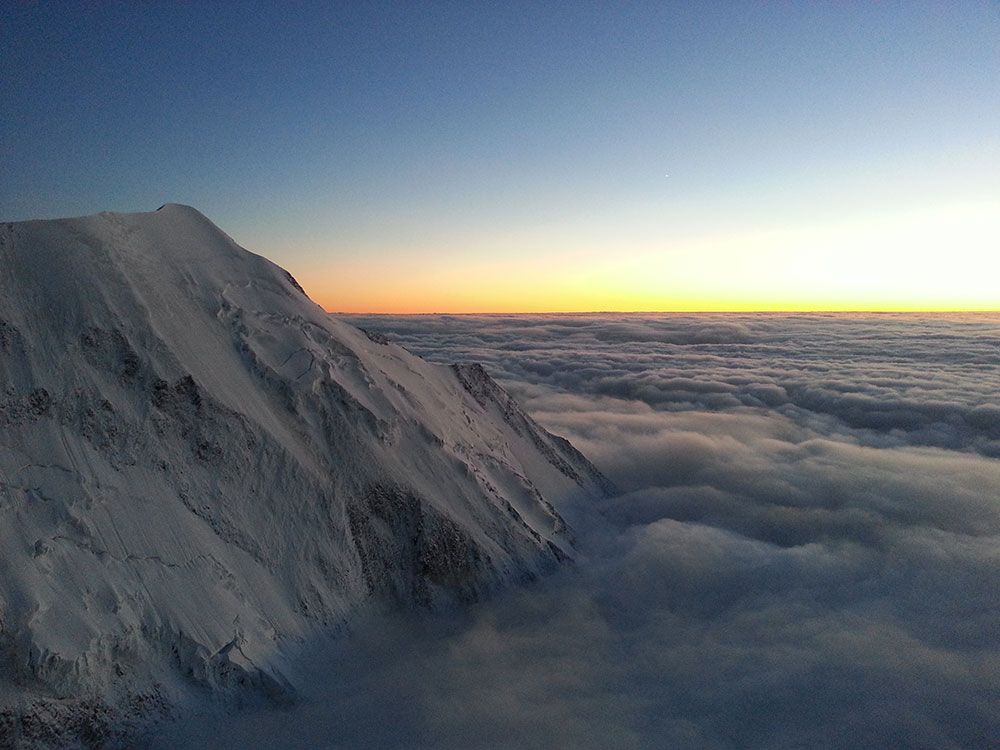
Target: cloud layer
806	552
887	379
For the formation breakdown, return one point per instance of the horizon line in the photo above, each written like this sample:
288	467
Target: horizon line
744	311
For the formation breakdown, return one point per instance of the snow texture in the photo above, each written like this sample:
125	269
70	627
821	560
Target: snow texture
200	469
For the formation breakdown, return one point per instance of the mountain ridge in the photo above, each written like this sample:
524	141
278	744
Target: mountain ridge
200	467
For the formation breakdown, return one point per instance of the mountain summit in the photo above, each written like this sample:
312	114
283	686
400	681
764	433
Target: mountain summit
199	468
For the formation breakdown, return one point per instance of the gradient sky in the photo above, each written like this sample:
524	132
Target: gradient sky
404	157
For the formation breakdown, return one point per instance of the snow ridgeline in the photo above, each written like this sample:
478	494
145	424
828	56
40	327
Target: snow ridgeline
200	468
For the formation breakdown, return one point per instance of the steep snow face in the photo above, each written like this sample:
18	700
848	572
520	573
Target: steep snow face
198	465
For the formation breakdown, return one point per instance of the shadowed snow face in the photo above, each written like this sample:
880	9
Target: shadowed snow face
806	553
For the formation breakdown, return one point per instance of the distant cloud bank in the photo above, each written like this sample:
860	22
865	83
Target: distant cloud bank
885	380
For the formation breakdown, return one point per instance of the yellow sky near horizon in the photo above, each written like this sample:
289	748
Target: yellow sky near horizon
942	259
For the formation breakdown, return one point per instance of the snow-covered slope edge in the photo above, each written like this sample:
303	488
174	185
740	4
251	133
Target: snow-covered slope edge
199	467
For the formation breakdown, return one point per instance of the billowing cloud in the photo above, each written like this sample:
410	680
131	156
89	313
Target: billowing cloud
806	552
887	378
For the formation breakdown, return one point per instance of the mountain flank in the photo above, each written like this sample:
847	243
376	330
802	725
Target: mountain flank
200	468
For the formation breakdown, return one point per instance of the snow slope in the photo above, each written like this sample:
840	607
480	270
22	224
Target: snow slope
199	467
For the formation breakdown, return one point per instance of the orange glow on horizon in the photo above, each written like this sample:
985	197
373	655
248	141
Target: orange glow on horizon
481	303
943	260
708	307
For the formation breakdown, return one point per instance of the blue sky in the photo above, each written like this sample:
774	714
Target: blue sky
357	141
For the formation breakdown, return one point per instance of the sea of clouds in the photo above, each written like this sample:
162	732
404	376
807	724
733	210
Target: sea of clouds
805	550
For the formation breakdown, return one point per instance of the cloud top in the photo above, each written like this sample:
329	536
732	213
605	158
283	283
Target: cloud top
805	553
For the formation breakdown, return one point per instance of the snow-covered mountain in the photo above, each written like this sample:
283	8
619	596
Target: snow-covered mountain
199	468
